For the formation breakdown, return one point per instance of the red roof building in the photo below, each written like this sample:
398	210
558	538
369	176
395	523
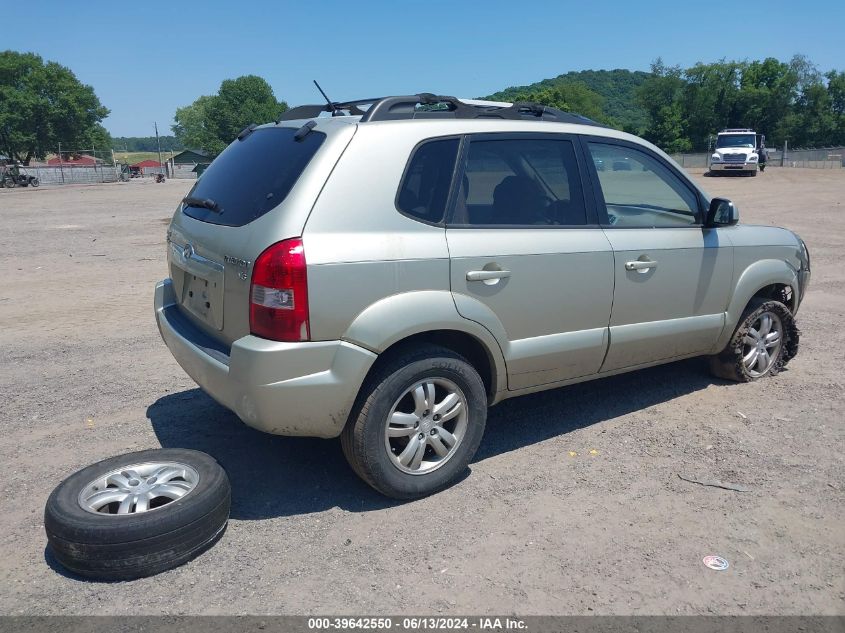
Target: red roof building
147	163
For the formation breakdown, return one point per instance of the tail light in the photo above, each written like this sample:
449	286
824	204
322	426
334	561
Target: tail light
278	307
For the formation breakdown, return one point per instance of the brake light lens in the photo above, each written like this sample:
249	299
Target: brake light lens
278	307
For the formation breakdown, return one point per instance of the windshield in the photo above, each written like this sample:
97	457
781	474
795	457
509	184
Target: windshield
251	176
736	140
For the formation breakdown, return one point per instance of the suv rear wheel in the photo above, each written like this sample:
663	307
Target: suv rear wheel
418	423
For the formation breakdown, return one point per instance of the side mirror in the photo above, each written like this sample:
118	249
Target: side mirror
722	212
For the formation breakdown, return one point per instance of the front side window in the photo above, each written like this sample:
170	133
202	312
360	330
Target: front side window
639	191
425	187
520	182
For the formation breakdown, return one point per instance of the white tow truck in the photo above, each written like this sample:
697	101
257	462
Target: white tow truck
736	150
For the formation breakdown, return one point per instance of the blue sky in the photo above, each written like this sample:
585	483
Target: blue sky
147	60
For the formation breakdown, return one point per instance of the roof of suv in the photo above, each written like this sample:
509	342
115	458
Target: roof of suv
471	115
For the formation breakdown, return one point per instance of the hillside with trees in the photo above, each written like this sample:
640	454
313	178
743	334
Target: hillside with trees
145	143
680	109
614	90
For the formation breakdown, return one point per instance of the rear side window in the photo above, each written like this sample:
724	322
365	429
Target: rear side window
521	182
253	176
425	187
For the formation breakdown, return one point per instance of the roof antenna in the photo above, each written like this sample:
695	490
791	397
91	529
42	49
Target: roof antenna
331	105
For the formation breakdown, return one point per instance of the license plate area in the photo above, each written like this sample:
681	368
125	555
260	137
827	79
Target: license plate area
201	289
199	297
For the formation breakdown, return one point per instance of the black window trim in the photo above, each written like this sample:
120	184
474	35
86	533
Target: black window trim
598	194
452	188
589	203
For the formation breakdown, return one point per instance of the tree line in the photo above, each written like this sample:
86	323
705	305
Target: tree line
145	143
43	104
787	101
680	110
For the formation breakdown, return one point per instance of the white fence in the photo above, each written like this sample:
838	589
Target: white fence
73	174
183	171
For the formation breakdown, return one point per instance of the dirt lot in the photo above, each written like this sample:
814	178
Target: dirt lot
540	526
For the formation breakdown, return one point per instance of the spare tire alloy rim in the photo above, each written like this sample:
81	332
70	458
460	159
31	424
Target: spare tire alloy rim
138	488
426	425
761	344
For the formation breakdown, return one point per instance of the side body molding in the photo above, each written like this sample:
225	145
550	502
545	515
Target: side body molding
399	316
751	280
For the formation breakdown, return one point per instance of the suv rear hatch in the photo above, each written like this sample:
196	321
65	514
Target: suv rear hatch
257	192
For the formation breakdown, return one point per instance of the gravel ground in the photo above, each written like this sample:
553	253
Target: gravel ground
572	506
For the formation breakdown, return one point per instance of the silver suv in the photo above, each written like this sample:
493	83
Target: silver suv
387	273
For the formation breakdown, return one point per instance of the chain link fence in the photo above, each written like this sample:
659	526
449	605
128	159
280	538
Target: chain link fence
819	158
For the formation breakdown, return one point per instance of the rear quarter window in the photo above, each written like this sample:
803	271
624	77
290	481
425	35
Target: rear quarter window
253	175
424	191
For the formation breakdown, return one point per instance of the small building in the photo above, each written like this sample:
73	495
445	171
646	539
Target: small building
191	157
185	163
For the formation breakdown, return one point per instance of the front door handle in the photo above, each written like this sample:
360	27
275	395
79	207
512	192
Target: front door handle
487	275
640	265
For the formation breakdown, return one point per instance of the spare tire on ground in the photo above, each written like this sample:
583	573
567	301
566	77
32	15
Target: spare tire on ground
138	514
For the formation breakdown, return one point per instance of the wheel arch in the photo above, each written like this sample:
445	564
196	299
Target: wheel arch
769	278
430	316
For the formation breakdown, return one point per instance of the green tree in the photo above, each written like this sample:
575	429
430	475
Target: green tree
99	139
212	122
568	96
191	128
660	96
42	105
836	90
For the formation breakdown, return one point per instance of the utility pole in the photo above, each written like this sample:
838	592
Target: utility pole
61	164
158	142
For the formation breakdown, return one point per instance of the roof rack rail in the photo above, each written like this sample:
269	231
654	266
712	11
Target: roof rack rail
429	106
441	106
335	107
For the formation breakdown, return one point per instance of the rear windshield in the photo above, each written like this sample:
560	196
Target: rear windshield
253	176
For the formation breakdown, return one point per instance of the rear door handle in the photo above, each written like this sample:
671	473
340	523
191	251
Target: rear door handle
486	275
640	265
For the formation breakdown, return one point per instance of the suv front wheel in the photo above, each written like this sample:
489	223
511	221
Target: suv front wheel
418	422
763	342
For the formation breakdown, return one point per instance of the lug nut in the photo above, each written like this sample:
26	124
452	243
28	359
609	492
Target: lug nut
436	417
416	425
434	431
426	412
421	436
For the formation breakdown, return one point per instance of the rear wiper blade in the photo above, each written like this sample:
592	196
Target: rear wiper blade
203	203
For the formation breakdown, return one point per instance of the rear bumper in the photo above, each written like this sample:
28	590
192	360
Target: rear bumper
282	388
